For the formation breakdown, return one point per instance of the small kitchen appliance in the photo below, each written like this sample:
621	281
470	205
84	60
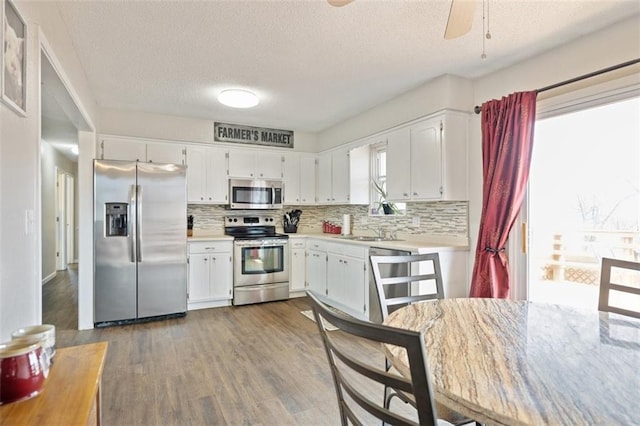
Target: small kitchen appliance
255	194
260	260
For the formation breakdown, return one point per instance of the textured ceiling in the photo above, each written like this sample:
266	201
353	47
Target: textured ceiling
311	64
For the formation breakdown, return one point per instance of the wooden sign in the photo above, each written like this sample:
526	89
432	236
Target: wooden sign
223	132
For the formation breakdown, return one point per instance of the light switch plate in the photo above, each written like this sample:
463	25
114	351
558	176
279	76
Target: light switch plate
416	221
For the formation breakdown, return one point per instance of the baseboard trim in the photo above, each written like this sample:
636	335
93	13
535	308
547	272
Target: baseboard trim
48	277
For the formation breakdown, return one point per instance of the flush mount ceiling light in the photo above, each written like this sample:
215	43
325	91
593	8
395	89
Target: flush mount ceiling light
237	98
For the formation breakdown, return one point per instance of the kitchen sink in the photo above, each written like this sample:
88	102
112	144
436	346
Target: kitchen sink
367	238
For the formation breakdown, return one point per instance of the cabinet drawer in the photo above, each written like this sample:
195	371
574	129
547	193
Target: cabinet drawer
351	250
296	243
317	245
210	247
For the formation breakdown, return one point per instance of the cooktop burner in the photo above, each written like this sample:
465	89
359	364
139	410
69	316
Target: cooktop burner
251	227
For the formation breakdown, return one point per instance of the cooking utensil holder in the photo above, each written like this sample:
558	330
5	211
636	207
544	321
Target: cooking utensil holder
290	229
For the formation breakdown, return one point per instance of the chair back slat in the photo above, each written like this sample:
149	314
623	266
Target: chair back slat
346	367
607	285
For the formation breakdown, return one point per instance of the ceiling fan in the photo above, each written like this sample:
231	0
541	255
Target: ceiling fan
460	16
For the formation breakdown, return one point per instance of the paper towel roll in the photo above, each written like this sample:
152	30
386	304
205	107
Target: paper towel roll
346	224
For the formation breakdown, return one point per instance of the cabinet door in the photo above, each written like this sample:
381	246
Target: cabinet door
165	153
196	174
221	278
241	163
340	176
268	165
353	283
307	179
216	177
198	277
298	269
426	161
317	272
291	178
324	178
335	277
123	149
398	165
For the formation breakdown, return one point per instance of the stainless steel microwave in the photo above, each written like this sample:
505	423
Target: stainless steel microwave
255	194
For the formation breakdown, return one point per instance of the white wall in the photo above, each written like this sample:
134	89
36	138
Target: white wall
444	92
157	126
20	255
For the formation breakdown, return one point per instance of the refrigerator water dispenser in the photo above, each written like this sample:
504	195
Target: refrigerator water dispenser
116	219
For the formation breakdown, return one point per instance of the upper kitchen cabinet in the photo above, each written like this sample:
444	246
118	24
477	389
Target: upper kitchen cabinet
255	164
141	150
299	175
343	176
428	159
207	175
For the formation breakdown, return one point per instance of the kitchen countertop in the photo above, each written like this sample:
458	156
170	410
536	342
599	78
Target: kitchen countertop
415	244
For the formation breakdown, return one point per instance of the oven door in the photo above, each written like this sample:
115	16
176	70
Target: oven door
261	261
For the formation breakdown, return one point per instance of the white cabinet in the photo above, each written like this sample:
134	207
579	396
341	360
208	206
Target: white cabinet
428	160
347	278
210	274
298	267
317	267
299	176
343	176
141	150
254	164
207	179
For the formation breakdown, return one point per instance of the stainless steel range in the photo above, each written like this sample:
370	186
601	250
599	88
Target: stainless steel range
260	260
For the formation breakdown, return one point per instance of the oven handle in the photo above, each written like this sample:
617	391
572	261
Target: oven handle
266	243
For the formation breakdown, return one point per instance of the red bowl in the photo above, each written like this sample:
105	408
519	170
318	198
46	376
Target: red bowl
23	369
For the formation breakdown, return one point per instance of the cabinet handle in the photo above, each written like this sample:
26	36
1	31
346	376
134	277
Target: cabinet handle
405	194
345	262
415	193
209	198
201	198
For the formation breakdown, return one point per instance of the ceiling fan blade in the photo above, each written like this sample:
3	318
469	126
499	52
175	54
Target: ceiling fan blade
339	3
460	18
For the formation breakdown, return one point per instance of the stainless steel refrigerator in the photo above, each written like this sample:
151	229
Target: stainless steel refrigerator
140	238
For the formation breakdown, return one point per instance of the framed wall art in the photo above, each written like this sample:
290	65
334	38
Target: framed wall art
13	60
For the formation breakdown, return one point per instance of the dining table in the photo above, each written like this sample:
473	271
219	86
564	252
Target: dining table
507	362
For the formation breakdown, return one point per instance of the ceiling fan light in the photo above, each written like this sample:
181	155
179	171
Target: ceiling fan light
238	98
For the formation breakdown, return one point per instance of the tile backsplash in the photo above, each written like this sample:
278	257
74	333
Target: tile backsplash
436	218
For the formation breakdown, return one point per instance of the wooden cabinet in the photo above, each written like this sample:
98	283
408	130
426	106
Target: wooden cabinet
317	267
141	150
254	164
347	278
343	176
428	159
207	175
298	267
299	176
210	274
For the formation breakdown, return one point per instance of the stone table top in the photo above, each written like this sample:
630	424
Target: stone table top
524	363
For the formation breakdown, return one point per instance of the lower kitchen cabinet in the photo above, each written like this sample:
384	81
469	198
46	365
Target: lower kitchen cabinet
347	278
210	274
298	267
317	267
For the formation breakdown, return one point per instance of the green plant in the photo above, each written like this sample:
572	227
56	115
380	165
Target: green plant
382	200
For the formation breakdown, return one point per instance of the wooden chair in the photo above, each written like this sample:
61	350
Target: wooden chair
348	369
607	285
419	280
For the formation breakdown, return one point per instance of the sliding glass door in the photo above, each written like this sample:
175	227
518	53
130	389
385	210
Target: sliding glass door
583	202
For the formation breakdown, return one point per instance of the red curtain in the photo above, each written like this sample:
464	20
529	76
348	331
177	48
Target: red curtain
507	142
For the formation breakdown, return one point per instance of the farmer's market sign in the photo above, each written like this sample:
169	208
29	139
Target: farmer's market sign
223	132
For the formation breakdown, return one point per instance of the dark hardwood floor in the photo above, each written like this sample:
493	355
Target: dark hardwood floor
258	364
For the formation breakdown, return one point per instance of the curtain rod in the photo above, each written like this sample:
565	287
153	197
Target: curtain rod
478	109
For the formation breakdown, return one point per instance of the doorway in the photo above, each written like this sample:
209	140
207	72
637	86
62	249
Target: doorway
64	217
583	200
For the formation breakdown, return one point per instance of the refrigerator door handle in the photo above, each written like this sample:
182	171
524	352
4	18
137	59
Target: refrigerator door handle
132	224
139	223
